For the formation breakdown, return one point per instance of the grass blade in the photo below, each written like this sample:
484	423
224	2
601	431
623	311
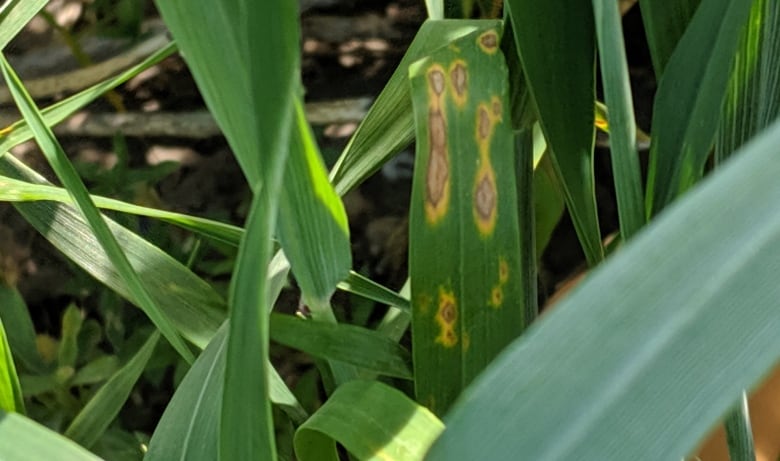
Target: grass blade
10	391
14	15
622	127
664	24
559	70
401	429
19	329
22	439
70	179
191	303
753	99
739	435
93	420
682	345
464	249
345	343
689	99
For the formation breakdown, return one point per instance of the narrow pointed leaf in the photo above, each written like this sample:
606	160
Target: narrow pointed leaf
22	439
67	175
753	99
622	126
689	99
357	346
92	421
19	329
10	391
14	15
191	303
401	430
559	70
665	22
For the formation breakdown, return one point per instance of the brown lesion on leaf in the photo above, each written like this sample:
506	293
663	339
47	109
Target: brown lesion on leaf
447	318
496	296
437	178
503	270
459	81
436	80
495	104
485	191
488	41
485	200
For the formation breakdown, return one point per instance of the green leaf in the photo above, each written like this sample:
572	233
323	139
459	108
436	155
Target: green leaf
649	351
93	420
753	98
559	69
665	22
739	434
13	190
622	126
14	15
191	303
188	428
689	99
346	343
70	179
71	326
468	295
388	126
22	439
10	391
313	226
372	421
19	329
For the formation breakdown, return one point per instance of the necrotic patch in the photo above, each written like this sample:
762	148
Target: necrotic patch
447	317
437	184
488	41
459	82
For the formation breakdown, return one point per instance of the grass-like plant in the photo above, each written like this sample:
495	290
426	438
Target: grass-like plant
639	362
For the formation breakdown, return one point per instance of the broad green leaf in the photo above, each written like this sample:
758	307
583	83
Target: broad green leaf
372	421
622	127
93	420
313	225
100	369
649	351
191	303
690	95
753	98
388	126
19	329
346	343
14	15
22	439
464	253
188	428
10	391
66	173
555	41
665	22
